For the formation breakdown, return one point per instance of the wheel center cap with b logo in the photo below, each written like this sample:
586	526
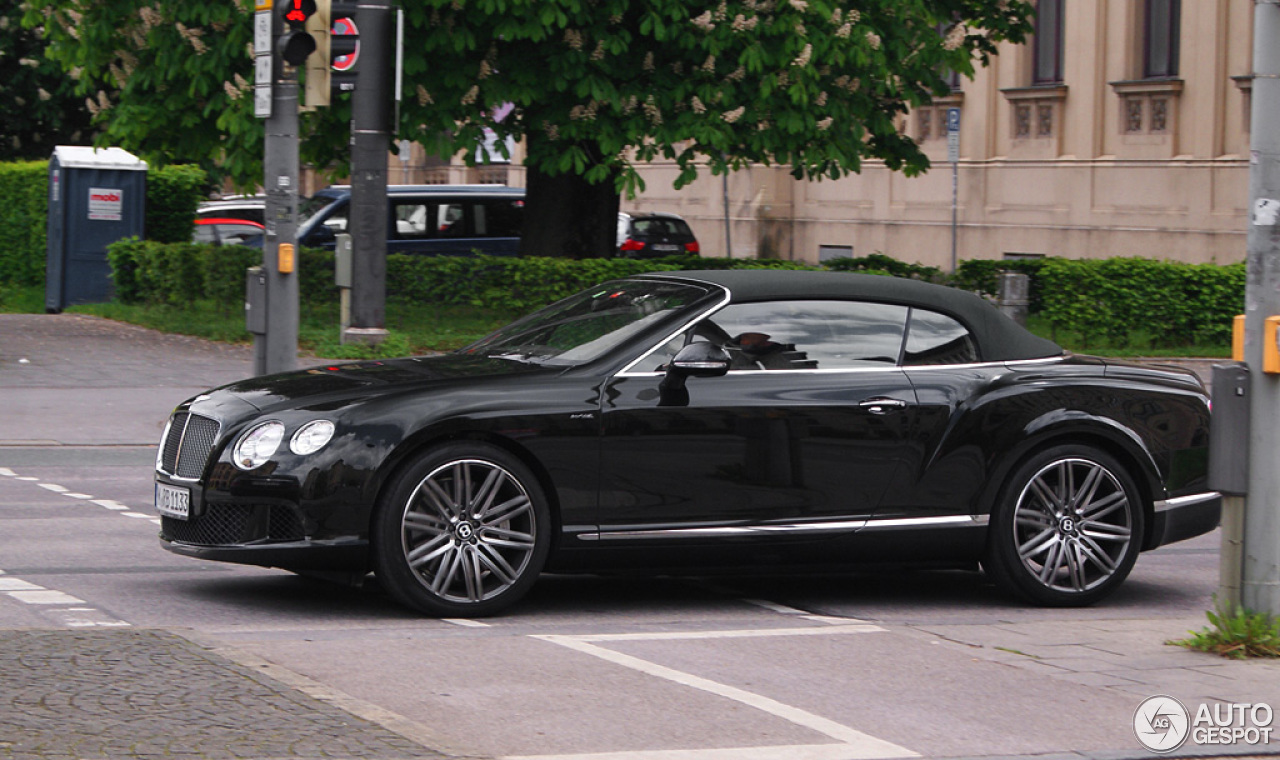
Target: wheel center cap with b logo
465	531
1067	526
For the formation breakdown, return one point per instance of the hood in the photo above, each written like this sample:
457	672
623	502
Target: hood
340	381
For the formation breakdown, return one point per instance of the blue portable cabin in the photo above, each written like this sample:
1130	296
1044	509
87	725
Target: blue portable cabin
96	197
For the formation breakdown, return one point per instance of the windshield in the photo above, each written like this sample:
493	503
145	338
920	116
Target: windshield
588	325
312	206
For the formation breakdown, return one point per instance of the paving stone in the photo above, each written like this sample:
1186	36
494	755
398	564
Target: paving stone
152	694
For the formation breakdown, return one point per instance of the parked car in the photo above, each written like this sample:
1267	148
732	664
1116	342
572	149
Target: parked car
454	220
647	236
225	231
695	421
250	207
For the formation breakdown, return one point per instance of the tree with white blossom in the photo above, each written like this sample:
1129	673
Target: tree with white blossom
594	88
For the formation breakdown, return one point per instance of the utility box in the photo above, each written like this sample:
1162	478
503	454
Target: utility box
1229	430
255	300
96	197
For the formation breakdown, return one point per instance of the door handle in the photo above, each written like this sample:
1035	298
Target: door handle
882	405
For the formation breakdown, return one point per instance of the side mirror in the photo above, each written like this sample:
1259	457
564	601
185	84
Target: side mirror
701	359
322	234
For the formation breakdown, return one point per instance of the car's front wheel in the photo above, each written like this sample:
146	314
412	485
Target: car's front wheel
1067	529
462	532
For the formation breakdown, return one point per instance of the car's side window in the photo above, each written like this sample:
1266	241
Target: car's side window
500	218
411	220
935	338
777	335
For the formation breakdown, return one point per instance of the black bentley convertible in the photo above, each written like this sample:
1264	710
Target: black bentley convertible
698	420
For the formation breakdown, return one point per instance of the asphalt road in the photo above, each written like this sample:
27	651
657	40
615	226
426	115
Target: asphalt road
875	664
894	663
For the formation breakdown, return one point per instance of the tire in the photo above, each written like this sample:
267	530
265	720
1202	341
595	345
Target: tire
1067	528
462	532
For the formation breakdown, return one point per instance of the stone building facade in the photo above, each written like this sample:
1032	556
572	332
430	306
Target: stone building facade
1120	129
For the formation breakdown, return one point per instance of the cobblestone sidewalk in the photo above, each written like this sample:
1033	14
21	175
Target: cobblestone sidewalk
88	695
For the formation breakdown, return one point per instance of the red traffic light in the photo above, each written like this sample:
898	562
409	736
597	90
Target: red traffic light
296	12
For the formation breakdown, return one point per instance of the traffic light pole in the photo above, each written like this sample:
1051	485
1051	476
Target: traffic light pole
276	350
371	140
1260	569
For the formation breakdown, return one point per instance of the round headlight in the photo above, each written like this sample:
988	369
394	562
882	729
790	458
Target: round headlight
311	437
257	445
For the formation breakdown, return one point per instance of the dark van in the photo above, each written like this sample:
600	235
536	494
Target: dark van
437	220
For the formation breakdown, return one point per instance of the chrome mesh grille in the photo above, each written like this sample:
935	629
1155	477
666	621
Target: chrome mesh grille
186	449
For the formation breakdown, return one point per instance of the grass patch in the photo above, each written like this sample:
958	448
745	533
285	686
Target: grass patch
21	299
413	328
1238	634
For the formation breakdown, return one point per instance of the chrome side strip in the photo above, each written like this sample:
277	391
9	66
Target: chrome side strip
1164	505
916	523
794	529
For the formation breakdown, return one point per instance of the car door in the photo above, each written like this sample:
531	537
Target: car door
805	433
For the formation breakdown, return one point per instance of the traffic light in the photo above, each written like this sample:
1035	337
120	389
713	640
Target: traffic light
344	46
296	43
333	65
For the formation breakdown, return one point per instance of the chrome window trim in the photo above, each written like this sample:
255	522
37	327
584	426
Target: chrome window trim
830	526
839	370
626	371
630	371
1166	505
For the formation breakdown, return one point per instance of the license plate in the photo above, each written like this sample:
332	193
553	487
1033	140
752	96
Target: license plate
173	501
661	247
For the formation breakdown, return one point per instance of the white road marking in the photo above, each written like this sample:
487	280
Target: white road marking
464	622
110	504
136	514
44	596
783	752
81	496
855	744
748	633
5	471
52	487
70	616
774	606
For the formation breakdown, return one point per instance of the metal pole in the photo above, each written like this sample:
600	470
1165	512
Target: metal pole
955	195
728	232
277	349
1260	571
371	140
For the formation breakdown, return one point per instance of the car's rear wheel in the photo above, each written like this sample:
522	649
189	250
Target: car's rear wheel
1067	529
463	531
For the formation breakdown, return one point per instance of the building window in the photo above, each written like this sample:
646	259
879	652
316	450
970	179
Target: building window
1160	39
1048	43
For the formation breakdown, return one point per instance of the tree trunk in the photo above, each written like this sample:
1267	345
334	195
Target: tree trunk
566	216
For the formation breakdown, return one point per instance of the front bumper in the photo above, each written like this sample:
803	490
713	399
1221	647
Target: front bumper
1185	517
346	555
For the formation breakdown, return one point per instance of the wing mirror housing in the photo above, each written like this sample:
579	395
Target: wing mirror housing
701	359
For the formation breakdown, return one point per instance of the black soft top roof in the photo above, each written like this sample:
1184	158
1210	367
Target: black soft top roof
999	338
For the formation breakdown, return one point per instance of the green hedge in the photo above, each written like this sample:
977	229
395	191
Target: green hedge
173	192
148	272
1174	304
23	222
